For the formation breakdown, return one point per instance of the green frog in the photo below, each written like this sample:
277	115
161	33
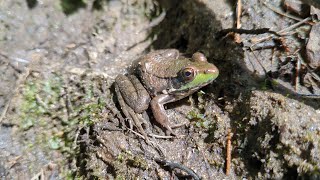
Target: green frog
158	78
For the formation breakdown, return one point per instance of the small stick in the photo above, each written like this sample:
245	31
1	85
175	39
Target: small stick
68	102
281	32
178	125
161	137
298	67
41	103
154	144
278	11
228	158
256	57
136	133
238	23
39	175
224	32
239	11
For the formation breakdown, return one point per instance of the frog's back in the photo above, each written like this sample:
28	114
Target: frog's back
157	71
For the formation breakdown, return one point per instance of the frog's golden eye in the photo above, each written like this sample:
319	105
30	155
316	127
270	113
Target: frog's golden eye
188	74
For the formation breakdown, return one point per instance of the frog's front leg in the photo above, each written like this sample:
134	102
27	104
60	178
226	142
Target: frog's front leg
159	113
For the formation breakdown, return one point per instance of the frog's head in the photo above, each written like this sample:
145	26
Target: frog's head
196	74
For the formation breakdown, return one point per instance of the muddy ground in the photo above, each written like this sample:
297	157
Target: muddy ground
60	117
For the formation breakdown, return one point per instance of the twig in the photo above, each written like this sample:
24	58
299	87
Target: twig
228	158
256	57
69	106
281	32
76	137
14	161
41	103
161	137
173	165
38	176
313	74
244	31
115	112
136	133
155	145
9	63
151	135
4	111
298	67
178	125
239	11
237	38
278	11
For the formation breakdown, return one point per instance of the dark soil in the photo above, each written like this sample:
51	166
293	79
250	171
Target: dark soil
60	117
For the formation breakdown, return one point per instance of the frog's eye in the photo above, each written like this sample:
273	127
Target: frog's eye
188	74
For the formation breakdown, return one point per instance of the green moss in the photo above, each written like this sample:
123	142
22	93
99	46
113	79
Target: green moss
71	6
54	143
132	160
201	120
57	117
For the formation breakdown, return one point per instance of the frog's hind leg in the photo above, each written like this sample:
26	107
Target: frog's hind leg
133	92
130	114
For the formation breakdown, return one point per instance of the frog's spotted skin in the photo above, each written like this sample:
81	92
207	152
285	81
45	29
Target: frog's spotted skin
166	77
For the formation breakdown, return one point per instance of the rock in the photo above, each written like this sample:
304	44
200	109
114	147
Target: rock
313	46
284	135
297	7
315	12
314	3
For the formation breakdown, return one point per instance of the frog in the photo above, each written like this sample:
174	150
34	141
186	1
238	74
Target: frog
161	77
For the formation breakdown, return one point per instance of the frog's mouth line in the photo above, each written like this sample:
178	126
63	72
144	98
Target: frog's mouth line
182	91
199	81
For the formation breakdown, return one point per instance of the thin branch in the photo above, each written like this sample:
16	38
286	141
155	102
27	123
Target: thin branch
229	148
279	11
237	38
282	32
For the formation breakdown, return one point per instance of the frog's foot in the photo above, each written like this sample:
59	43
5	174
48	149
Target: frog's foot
137	123
169	130
159	112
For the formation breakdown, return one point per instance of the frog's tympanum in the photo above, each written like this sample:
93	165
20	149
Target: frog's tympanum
161	77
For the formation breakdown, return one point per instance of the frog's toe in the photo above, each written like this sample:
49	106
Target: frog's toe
169	131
